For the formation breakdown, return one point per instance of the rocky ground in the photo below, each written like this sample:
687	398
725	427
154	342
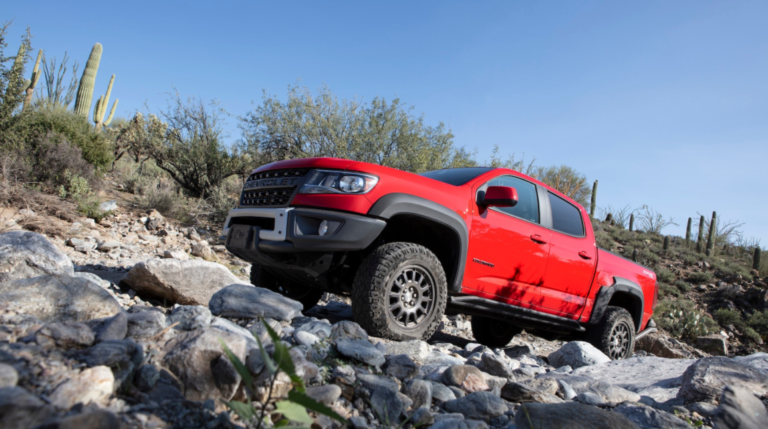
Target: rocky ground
119	325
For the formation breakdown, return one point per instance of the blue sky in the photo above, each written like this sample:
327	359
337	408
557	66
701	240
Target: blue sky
666	103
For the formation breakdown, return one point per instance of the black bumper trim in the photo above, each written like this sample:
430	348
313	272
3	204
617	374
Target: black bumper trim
524	317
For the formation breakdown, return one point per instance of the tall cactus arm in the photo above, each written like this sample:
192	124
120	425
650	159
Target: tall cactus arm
112	112
87	82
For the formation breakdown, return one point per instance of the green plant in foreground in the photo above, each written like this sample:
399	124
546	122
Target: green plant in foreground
87	82
293	409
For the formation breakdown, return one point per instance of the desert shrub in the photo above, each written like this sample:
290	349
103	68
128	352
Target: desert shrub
221	201
78	190
682	319
682	286
648	258
603	239
752	335
75	129
667	290
689	259
699	277
53	160
758	321
665	276
161	195
730	268
728	316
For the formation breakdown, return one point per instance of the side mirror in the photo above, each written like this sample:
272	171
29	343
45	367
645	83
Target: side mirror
499	196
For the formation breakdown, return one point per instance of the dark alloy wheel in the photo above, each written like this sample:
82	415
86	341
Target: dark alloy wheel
614	335
400	292
307	296
493	333
411	296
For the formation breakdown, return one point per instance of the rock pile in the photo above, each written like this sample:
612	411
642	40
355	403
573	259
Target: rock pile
75	353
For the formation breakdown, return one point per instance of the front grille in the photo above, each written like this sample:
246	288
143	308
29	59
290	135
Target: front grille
293	172
273	188
267	197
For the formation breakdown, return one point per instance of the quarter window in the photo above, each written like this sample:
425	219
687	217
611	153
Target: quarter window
527	206
566	217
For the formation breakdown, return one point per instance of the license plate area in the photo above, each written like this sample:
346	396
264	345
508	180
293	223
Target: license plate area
241	236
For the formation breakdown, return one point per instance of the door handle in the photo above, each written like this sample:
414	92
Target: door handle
584	255
538	239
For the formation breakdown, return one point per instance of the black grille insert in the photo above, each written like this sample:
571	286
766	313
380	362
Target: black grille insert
267	197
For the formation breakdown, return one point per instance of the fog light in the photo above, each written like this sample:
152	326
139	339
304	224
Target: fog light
323	229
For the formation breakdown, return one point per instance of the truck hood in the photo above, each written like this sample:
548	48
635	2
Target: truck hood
331	163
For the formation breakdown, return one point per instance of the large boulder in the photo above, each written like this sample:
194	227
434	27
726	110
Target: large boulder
92	385
59	298
660	378
20	409
704	381
183	282
569	415
25	254
647	417
577	354
361	350
477	405
194	357
740	409
246	301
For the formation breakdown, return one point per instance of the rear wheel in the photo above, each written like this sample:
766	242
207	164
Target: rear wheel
400	292
614	335
307	296
493	333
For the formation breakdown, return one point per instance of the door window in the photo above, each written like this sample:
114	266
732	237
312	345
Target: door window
566	218
527	206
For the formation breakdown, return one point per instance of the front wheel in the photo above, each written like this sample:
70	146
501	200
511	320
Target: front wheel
493	333
400	292
307	296
614	335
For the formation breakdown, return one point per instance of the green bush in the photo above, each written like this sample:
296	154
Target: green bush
665	276
726	316
752	335
758	321
667	290
700	277
682	286
37	124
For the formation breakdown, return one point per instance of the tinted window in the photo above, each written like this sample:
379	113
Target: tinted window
565	216
456	176
527	206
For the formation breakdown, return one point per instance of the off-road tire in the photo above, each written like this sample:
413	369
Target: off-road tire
493	333
307	296
378	272
616	324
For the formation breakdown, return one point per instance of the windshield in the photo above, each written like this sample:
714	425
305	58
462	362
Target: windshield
456	176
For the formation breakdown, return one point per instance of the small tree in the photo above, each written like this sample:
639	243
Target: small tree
192	151
12	81
381	132
566	180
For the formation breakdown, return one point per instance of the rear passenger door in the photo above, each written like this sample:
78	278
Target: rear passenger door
508	247
572	258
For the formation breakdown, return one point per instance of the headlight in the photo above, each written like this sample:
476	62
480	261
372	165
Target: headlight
338	182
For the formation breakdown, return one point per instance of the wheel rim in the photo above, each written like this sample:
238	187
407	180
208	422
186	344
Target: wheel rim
411	296
618	344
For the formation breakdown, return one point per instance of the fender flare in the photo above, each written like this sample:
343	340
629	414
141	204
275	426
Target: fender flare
394	204
605	294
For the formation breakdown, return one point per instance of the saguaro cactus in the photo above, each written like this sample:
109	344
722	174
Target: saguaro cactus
87	82
756	259
700	241
632	222
101	107
33	81
666	243
634	255
711	236
688	233
593	205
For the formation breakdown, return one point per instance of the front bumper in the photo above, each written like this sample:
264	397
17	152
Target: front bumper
288	238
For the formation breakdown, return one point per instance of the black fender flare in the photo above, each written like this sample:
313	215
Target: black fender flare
391	205
605	294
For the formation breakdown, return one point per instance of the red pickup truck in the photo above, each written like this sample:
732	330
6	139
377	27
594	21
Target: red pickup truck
492	243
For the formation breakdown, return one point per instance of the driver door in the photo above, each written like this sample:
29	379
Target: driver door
508	248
